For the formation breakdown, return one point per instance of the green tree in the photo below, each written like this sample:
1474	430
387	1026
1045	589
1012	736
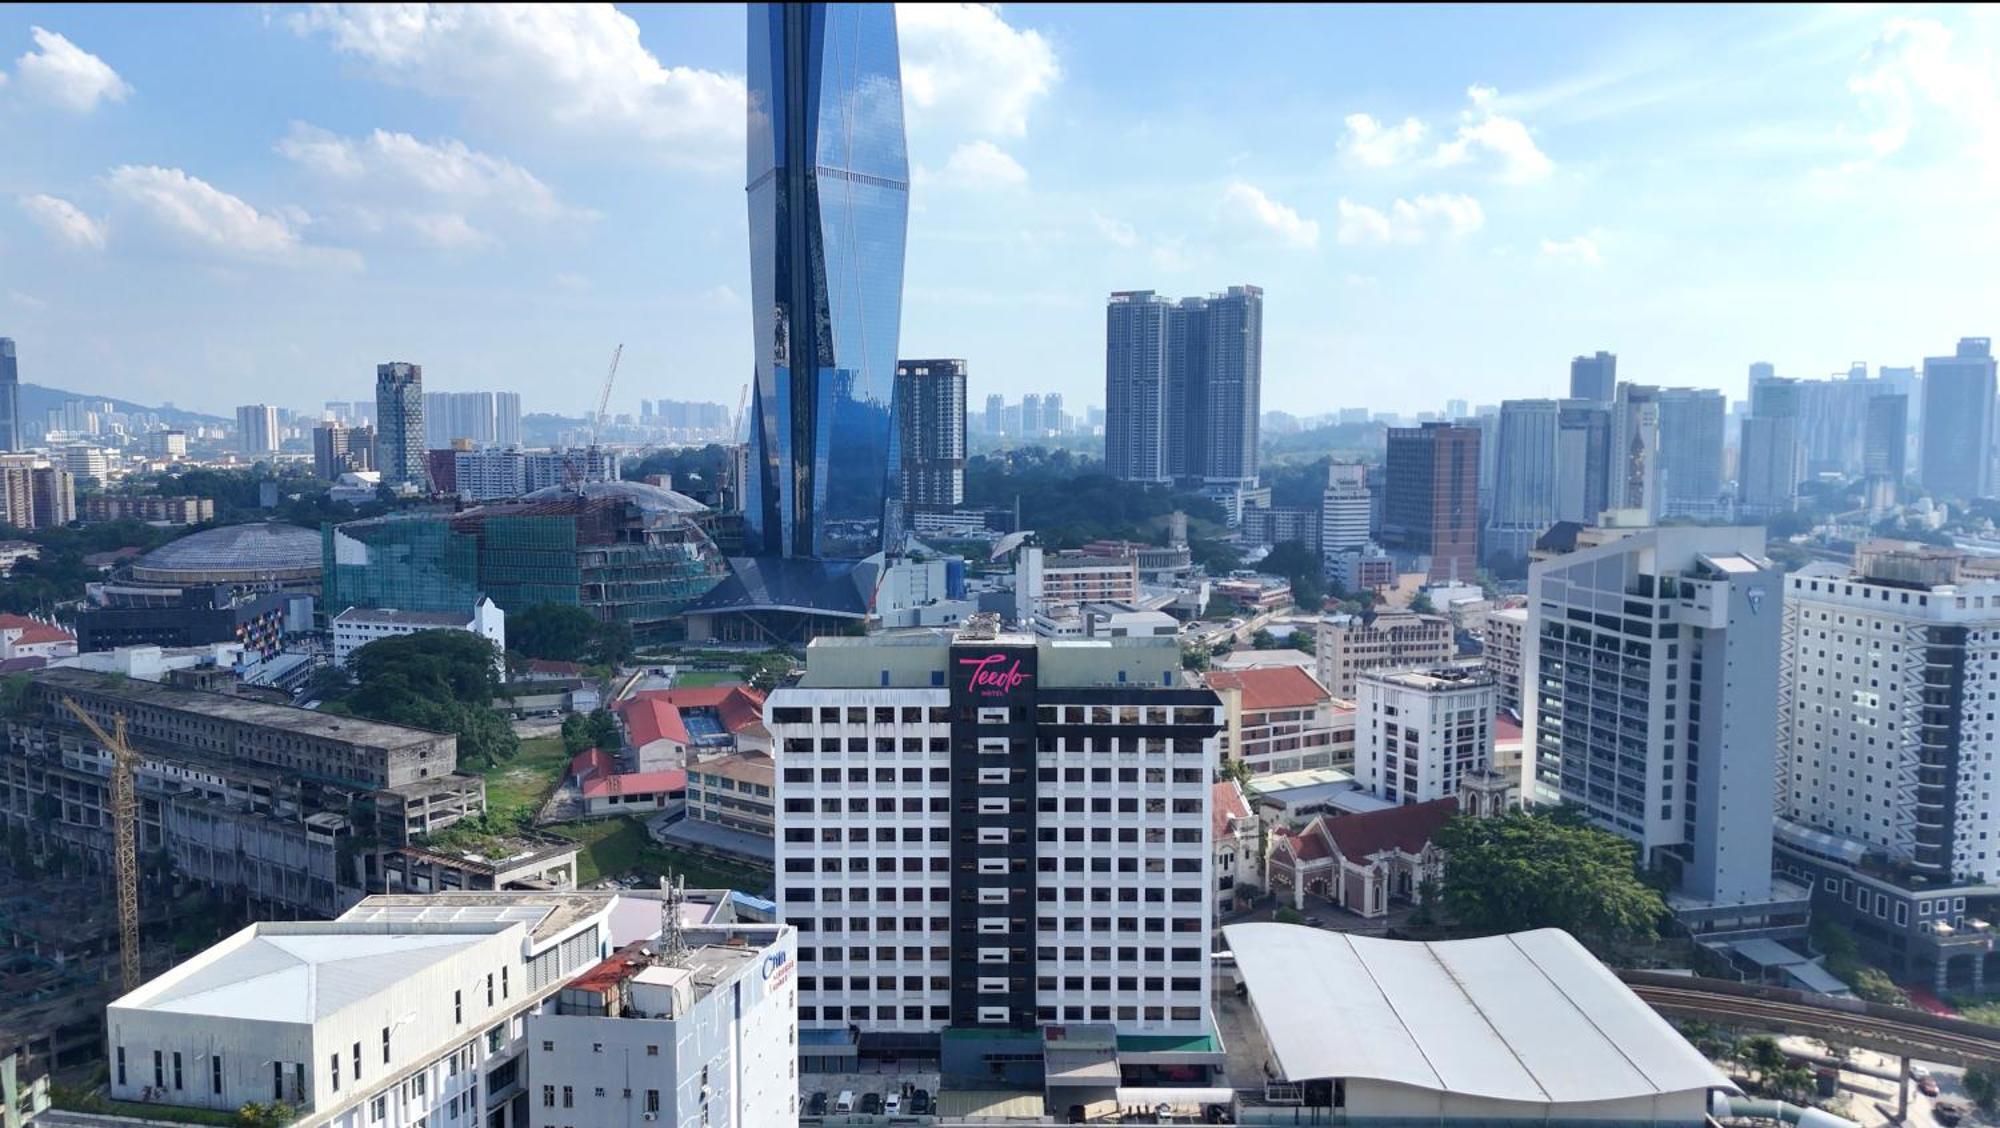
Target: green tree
1983	1088
1300	566
1522	871
1288	915
582	731
438	680
767	669
1422	604
564	632
558	632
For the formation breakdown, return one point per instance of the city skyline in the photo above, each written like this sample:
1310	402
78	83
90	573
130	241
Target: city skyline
1346	183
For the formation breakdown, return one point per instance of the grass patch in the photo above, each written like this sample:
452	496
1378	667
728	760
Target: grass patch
515	788
703	679
619	847
1980	1010
69	1100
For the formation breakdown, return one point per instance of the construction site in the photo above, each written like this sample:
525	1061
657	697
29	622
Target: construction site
627	552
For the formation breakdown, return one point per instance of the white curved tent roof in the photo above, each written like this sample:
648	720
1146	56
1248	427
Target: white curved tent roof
1529	1016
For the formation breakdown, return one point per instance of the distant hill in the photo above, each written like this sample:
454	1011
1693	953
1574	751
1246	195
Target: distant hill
37	401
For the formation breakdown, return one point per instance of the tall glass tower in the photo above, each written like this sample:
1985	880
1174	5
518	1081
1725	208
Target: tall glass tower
829	203
10	397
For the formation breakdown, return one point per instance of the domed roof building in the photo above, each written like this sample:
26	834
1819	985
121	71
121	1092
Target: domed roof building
264	557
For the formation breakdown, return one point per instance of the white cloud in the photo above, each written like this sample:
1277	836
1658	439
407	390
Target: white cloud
62	74
1577	250
1485	133
398	162
1246	202
199	215
65	221
26	301
1116	231
1378	145
567	68
1411	221
965	68
1914	67
978	165
445	231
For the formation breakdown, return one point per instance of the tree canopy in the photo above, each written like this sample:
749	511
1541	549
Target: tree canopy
563	632
439	680
1301	566
1520	871
581	731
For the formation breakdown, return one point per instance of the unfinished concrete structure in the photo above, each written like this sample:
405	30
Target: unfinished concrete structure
288	807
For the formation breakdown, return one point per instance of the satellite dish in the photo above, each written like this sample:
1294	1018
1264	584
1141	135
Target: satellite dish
1163	1110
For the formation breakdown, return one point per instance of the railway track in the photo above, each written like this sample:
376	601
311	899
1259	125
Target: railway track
1875	1026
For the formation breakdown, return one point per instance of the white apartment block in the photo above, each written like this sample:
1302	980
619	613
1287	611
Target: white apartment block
1651	665
356	627
1504	629
1886	735
1347	645
1344	510
1418	733
429	1012
990	833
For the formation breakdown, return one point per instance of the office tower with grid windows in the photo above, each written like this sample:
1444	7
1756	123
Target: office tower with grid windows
930	405
1594	378
1430	507
1958	422
399	424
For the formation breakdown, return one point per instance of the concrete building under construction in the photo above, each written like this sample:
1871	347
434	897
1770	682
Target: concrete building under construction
287	807
627	552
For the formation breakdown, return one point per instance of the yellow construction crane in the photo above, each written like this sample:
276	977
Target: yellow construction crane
125	836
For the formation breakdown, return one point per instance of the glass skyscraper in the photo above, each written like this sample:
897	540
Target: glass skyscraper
10	397
829	202
399	423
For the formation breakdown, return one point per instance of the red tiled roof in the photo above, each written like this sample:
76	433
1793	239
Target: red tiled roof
34	630
552	666
591	762
1270	687
636	783
1309	846
1226	805
655	714
1506	730
1407	828
648	719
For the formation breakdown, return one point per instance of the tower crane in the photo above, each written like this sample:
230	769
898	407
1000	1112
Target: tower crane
125	838
604	396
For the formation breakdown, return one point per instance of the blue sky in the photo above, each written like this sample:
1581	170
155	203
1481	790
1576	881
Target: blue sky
221	205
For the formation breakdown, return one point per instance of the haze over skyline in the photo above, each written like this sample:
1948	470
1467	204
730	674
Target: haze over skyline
222	206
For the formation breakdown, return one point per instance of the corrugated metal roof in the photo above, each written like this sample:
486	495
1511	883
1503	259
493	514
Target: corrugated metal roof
1525	1017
